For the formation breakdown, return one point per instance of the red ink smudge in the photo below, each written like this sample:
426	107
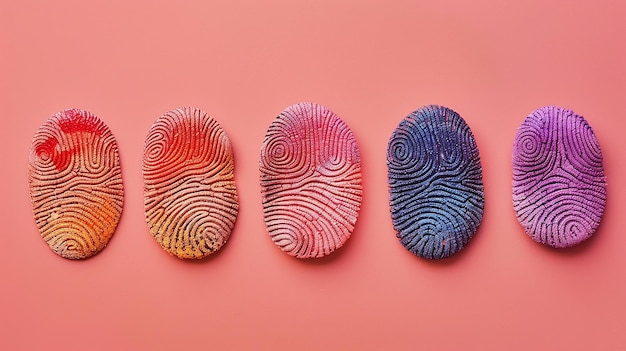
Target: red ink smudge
47	150
71	121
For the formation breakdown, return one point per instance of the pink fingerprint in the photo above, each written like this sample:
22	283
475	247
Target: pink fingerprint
311	181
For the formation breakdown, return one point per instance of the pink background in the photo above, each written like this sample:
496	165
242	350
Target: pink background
372	62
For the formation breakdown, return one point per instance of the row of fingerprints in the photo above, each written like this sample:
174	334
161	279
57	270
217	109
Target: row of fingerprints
310	174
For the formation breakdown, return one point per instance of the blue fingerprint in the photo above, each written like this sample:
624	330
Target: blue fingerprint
435	182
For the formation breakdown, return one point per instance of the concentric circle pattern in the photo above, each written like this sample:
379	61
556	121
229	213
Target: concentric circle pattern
435	182
75	183
559	188
190	196
311	181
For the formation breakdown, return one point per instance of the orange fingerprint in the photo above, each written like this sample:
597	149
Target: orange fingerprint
189	187
75	183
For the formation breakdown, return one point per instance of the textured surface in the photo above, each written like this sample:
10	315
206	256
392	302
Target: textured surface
245	61
559	188
435	182
311	181
189	187
75	183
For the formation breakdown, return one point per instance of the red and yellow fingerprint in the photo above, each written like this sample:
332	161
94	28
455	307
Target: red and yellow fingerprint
190	196
75	183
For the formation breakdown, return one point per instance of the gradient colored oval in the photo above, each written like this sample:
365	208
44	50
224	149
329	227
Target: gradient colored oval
435	182
190	197
75	183
559	188
311	181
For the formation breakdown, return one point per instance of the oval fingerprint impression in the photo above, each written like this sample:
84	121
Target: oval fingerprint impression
311	181
559	188
75	183
435	182
190	197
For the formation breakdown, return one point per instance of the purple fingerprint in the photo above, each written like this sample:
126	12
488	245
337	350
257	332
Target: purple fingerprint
559	187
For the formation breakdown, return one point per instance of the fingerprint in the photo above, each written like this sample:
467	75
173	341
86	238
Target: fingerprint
190	196
75	183
559	188
311	181
435	182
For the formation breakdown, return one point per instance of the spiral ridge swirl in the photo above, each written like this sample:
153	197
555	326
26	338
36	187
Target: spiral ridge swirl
310	168
435	182
190	197
75	183
559	187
